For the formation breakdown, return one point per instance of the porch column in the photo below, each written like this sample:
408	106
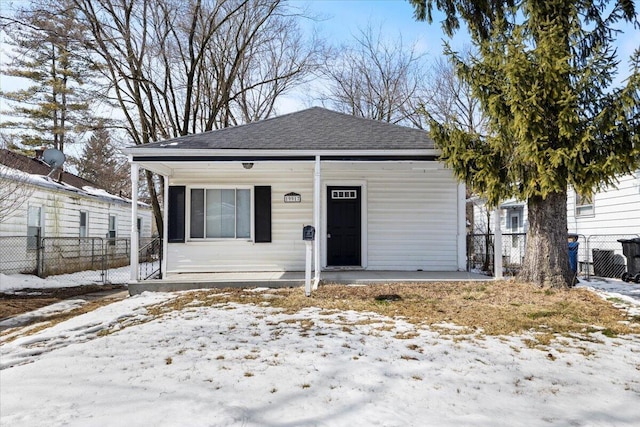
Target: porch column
134	222
462	227
497	244
165	225
317	197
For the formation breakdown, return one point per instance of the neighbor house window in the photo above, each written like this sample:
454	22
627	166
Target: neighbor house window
83	224
584	204
139	224
220	213
34	226
112	227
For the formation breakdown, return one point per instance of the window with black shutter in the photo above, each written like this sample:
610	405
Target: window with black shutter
176	214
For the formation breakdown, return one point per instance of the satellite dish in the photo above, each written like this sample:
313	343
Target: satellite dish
54	158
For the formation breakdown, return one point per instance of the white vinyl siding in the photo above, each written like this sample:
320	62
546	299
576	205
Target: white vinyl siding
60	217
410	217
617	210
411	214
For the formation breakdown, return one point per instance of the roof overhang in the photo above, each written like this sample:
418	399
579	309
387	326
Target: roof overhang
163	161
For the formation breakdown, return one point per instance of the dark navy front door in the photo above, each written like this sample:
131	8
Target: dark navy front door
343	226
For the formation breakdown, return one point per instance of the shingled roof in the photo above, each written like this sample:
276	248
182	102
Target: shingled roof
312	129
34	166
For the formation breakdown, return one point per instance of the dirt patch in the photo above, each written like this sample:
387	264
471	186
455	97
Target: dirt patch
29	299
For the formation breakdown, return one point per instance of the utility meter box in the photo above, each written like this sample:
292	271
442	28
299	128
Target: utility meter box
308	232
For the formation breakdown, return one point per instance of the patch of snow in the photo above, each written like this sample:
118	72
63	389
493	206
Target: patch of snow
42	313
247	365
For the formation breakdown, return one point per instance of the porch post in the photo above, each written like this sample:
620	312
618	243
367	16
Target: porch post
497	244
134	222
317	197
165	225
462	227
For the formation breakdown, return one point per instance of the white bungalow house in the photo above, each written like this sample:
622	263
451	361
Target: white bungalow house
239	197
69	209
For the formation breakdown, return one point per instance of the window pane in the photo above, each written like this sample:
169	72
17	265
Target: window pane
33	216
243	215
197	213
83	224
228	228
221	211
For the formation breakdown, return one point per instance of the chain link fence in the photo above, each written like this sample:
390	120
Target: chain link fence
90	259
598	255
480	252
19	254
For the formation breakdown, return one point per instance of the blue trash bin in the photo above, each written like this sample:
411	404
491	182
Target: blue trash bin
573	256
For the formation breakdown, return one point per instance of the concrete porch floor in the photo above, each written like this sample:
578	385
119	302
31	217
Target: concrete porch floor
267	279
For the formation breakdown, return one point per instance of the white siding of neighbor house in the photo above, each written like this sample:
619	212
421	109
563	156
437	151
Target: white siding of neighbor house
616	210
61	215
410	219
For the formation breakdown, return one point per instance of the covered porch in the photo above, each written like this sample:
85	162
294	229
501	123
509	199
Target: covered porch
187	281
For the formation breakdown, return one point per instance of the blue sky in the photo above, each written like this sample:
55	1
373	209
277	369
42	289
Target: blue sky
344	18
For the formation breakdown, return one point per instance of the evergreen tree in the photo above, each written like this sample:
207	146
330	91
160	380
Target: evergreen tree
543	75
46	51
100	164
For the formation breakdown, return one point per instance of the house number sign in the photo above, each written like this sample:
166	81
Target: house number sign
292	198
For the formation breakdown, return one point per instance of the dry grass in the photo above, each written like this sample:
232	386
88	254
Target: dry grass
495	308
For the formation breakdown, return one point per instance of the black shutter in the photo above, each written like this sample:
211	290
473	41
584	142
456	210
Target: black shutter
176	214
262	217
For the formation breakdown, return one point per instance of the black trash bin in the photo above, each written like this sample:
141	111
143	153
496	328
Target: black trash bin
602	262
631	250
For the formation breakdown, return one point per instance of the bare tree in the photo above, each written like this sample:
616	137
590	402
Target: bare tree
177	67
447	99
15	188
376	79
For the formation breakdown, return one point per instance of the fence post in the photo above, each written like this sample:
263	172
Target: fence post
497	245
39	255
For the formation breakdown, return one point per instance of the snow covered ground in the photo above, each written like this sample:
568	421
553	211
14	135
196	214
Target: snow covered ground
247	365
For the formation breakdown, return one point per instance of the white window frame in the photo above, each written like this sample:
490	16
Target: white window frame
220	187
585	209
32	244
83	231
114	229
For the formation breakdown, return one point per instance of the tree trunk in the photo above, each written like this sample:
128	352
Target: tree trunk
546	261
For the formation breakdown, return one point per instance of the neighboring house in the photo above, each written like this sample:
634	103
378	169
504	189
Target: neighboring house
69	208
614	211
513	223
599	219
239	197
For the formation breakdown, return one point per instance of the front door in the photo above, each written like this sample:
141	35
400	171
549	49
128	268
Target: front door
343	226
